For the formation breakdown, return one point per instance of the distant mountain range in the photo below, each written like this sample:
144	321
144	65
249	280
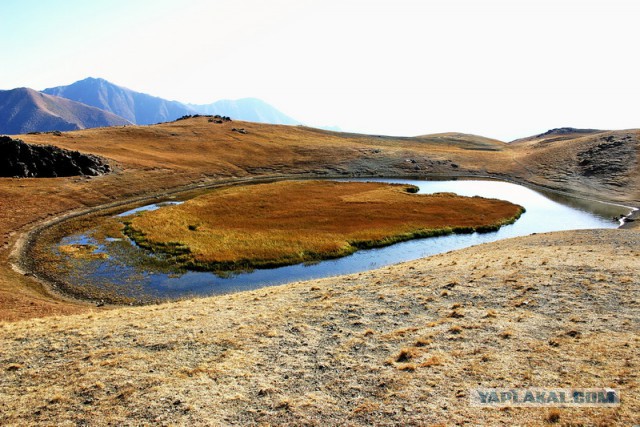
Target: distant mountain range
25	110
138	108
95	102
248	109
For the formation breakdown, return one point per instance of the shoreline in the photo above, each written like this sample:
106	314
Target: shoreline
23	261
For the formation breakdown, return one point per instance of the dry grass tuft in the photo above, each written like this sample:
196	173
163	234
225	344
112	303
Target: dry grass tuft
406	354
491	314
506	334
455	330
423	341
553	416
432	361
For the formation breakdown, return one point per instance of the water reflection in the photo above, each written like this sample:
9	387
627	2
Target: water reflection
545	212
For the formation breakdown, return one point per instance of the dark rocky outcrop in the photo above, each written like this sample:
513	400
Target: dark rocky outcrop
18	159
610	156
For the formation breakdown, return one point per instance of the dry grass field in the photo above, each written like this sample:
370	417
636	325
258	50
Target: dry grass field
291	222
396	346
156	160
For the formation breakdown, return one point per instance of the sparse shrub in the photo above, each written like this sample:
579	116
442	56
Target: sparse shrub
432	361
405	355
455	330
574	334
506	334
407	367
491	314
57	398
553	416
423	341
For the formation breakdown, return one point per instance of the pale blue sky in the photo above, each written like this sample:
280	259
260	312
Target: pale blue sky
498	68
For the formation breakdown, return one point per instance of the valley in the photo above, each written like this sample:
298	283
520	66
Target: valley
383	339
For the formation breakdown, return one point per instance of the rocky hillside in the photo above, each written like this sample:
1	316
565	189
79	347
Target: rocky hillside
589	162
25	110
18	159
558	134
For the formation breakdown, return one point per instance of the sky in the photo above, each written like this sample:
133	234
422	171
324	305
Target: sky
503	69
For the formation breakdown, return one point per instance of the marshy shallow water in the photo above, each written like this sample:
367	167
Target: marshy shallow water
119	267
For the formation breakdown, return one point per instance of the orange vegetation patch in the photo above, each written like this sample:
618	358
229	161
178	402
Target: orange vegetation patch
296	221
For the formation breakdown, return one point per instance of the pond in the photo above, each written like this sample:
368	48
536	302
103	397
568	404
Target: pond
118	273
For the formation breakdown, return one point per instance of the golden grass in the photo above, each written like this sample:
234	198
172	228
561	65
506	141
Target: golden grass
305	354
82	251
287	355
151	160
296	221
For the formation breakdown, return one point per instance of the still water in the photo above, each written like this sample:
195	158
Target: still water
544	212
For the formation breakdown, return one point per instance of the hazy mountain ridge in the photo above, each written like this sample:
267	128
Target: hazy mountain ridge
247	109
143	109
137	107
25	110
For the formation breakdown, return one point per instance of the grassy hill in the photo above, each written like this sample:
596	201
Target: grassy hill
400	345
150	160
155	159
597	163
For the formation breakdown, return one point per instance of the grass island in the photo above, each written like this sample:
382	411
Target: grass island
291	222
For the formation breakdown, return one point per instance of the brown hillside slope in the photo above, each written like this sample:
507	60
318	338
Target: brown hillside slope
396	346
603	165
161	158
558	134
156	159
